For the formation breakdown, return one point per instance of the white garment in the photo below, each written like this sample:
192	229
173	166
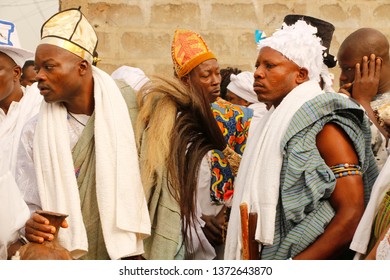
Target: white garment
206	207
12	124
258	177
383	250
259	110
203	250
11	108
134	77
13	210
378	144
362	234
122	205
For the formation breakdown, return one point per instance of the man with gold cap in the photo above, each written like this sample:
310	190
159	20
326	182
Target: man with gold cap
197	68
78	156
17	105
308	168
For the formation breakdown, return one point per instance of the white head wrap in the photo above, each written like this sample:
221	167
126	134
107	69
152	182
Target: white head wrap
242	86
327	78
298	43
134	77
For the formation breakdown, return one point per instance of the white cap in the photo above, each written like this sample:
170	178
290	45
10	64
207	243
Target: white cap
10	45
242	86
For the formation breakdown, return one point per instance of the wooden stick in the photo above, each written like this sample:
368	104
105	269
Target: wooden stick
253	244
244	230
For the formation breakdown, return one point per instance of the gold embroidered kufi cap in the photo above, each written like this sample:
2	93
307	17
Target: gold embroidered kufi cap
70	30
188	51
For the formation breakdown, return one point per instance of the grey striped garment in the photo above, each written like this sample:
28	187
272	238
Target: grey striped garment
303	209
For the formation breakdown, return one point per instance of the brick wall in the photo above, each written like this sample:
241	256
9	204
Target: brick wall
139	32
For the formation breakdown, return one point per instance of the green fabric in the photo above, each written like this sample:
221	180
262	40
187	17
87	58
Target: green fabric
84	159
382	219
131	100
164	241
306	182
381	222
164	213
85	165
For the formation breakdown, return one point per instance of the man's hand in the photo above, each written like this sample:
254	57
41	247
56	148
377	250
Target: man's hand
38	229
365	86
366	82
367	77
213	227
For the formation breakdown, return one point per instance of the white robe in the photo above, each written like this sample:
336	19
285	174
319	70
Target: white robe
13	210
121	201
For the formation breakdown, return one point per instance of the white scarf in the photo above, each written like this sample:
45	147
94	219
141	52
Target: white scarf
13	210
258	177
362	234
121	201
11	127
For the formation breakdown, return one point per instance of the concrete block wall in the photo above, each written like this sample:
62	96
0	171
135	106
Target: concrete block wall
139	32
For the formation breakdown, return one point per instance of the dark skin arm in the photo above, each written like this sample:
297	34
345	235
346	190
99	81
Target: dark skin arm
38	229
347	198
213	227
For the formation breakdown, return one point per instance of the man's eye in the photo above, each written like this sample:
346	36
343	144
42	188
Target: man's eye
347	69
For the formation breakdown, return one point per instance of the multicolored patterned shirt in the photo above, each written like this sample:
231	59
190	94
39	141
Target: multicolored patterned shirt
234	122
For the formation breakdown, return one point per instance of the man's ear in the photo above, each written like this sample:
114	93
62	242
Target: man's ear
17	72
83	66
303	75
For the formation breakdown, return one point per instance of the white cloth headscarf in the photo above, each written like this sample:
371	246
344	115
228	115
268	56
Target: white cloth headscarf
298	43
242	86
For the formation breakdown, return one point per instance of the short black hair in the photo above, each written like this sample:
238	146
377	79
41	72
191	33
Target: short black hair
28	63
225	79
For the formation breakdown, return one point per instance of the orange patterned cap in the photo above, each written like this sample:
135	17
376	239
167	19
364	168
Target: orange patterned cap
188	51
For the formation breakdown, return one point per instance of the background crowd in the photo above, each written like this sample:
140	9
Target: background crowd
173	166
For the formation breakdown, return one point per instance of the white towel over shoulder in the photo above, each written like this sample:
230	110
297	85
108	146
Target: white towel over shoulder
122	205
258	177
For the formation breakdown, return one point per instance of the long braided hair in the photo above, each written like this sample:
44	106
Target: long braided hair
181	130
